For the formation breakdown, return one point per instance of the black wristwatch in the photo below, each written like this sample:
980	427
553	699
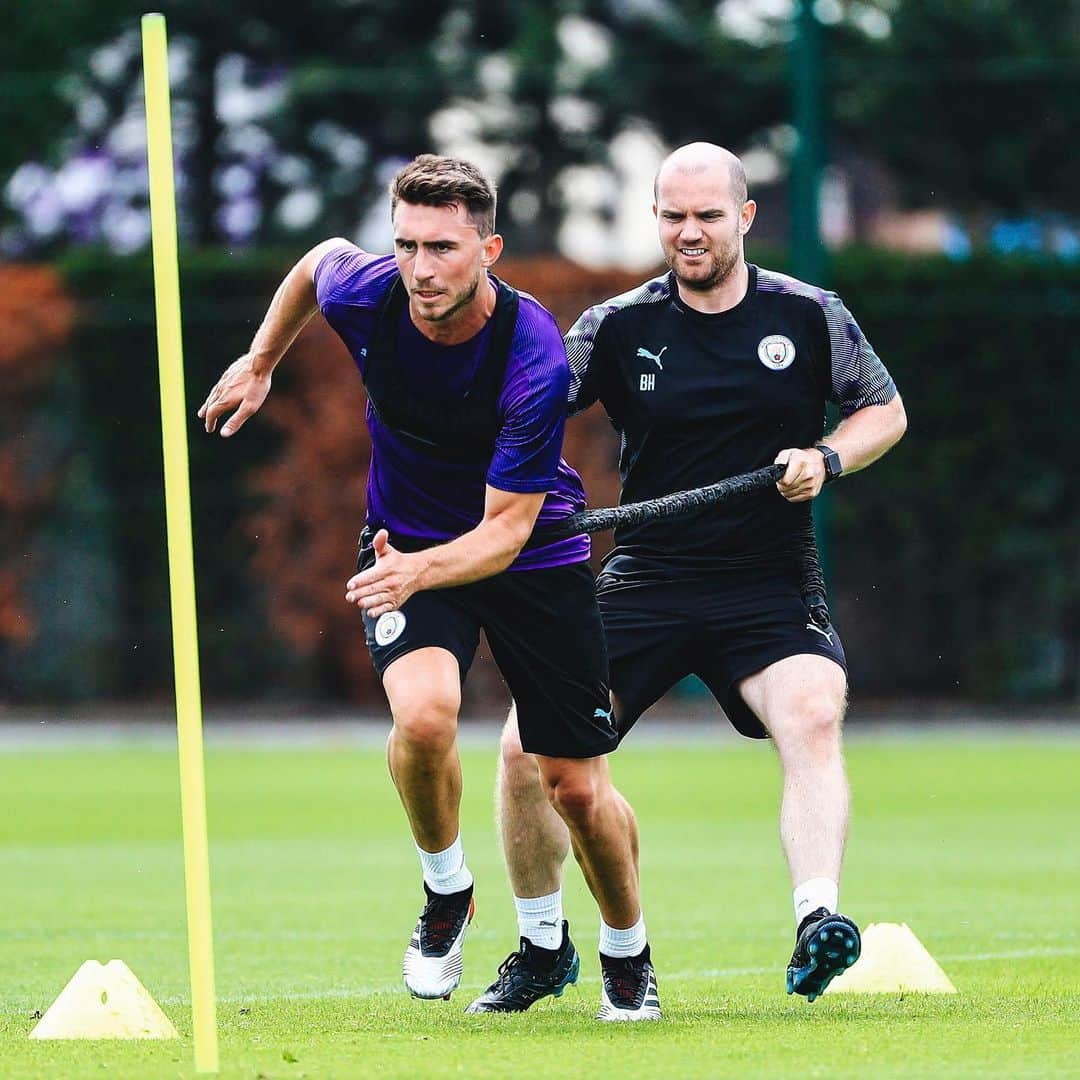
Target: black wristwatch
833	465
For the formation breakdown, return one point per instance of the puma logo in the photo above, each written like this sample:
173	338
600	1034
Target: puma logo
654	357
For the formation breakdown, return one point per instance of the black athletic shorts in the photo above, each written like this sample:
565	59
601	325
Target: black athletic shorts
720	627
546	638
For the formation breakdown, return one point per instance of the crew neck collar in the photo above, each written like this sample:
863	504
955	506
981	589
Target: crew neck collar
716	316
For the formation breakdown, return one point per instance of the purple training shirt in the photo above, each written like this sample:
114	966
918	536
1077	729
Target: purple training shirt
411	489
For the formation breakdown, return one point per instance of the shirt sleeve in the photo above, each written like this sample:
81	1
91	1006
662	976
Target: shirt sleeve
858	377
585	356
349	283
533	406
349	277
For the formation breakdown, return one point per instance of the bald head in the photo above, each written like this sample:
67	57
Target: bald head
702	215
705	161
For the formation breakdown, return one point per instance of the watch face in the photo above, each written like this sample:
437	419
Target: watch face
832	462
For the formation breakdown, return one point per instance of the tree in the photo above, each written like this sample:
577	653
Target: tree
323	96
41	49
971	103
337	95
290	118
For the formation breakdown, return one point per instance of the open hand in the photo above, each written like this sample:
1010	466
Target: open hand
240	388
389	583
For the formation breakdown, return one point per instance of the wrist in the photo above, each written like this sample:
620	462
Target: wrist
423	563
834	467
263	362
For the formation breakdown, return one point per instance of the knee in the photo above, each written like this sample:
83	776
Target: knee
428	725
575	794
815	727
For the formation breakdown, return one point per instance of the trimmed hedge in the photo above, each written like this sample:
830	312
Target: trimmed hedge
955	560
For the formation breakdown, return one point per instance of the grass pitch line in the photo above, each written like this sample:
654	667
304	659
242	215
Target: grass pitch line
1011	954
688	975
104	1001
951	958
178	521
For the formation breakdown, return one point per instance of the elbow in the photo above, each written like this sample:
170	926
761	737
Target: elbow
508	524
514	536
900	419
517	537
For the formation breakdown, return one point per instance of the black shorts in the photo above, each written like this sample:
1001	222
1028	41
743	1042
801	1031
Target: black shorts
546	638
660	629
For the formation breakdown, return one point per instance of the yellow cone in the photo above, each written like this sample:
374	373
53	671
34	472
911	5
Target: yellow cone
104	1002
893	960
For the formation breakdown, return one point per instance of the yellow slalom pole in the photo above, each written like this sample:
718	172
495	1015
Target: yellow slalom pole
181	563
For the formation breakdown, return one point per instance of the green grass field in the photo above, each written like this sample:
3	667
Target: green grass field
972	841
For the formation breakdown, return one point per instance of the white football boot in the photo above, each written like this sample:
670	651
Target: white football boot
628	988
433	961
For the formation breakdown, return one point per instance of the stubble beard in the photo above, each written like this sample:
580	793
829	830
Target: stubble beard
724	263
462	300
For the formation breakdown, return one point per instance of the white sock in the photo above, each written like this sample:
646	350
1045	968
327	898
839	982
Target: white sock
540	919
445	872
629	942
815	893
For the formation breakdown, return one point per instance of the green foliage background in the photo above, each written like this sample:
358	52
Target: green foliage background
955	560
968	105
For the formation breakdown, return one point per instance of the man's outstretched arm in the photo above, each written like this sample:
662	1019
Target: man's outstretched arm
246	382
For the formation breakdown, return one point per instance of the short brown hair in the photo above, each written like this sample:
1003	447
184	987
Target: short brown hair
432	180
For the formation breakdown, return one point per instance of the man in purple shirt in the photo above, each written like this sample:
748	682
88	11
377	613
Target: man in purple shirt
467	385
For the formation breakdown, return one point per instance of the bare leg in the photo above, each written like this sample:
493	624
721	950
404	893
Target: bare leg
424	688
800	700
535	840
603	830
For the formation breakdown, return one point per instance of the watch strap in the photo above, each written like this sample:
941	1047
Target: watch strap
833	466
